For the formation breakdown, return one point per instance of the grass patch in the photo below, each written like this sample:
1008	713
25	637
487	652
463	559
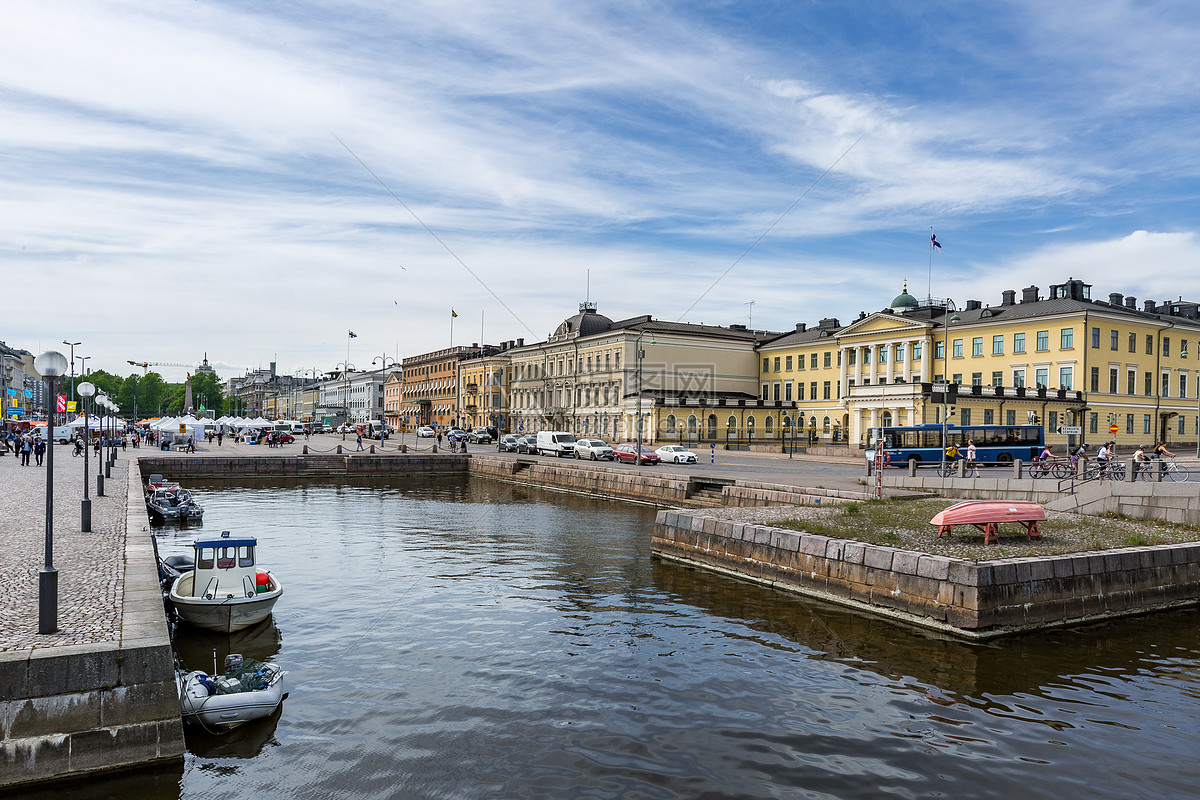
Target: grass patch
905	524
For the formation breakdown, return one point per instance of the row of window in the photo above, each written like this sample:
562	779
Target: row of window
782	391
532	370
826	359
731	423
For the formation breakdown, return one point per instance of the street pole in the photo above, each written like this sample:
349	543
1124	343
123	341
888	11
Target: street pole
946	377
86	390
50	365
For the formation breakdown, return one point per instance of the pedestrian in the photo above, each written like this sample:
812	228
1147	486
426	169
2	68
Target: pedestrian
191	448
26	451
124	446
972	464
220	436
360	447
439	438
39	450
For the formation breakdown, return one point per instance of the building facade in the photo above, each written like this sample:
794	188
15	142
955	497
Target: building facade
483	389
597	377
431	386
353	396
1062	361
393	399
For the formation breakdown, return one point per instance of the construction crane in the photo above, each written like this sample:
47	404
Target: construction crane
146	365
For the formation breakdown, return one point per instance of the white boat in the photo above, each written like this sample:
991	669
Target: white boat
174	503
226	591
247	691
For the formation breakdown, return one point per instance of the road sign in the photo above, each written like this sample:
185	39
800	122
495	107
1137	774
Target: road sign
72	405
1113	428
16	409
61	404
1069	430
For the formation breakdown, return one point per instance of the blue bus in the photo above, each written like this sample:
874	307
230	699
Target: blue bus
994	444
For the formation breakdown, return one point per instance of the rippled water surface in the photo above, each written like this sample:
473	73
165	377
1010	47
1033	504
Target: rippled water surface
467	639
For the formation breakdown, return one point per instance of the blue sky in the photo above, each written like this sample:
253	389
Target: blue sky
172	182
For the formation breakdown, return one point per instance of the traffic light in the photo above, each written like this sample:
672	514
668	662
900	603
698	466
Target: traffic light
1033	418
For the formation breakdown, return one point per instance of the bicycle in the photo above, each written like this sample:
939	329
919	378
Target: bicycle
1040	468
1114	471
1171	471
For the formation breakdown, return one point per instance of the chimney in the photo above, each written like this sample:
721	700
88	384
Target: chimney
1116	298
973	305
737	327
1029	295
801	327
829	322
1010	297
1149	306
272	368
1131	302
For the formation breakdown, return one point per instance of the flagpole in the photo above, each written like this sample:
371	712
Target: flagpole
929	287
452	327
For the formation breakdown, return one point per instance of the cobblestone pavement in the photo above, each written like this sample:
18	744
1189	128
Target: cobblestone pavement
90	565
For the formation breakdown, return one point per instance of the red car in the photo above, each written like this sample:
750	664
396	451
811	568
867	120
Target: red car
628	453
282	437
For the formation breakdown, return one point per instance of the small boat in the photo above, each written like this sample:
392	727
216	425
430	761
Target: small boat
225	591
987	515
248	690
157	481
174	503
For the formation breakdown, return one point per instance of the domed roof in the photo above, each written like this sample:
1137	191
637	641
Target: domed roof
585	323
904	301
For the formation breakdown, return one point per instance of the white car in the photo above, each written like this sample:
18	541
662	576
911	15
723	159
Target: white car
676	454
425	432
593	449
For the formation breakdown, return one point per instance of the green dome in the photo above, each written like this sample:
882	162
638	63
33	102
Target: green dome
904	301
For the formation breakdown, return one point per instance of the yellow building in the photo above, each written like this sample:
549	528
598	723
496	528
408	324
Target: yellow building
483	389
393	399
1065	360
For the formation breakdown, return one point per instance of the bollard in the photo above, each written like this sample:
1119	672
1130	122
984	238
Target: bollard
1129	474
85	515
99	483
962	468
372	449
435	448
1160	469
1018	469
305	449
403	448
339	449
912	468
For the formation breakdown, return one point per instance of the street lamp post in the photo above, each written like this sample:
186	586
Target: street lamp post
86	390
72	345
101	400
946	377
50	365
113	457
639	354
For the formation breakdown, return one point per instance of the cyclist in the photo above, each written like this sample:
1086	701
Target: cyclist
1139	458
1161	450
1102	456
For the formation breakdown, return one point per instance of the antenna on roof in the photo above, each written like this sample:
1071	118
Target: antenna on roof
751	305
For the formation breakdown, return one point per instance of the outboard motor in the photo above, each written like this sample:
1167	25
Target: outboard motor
233	664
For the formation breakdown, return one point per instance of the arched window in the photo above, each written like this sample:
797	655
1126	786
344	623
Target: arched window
768	426
731	423
692	421
712	426
825	425
750	426
670	422
812	422
886	419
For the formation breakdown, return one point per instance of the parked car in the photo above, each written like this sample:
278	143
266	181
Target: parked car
676	454
284	436
480	436
593	449
508	444
556	443
629	453
425	432
528	445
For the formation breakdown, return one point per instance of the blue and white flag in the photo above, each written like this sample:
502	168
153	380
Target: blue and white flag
933	241
353	335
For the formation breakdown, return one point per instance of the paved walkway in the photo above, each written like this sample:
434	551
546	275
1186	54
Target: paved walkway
90	565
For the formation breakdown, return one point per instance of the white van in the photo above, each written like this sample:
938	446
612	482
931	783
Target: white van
555	443
62	433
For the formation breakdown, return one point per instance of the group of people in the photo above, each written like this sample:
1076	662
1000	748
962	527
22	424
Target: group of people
1106	455
25	446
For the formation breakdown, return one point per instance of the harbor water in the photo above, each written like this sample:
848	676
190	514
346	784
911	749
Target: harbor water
462	638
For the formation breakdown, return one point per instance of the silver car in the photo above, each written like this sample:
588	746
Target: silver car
593	449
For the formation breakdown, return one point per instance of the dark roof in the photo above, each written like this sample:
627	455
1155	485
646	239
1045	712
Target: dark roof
1054	306
647	323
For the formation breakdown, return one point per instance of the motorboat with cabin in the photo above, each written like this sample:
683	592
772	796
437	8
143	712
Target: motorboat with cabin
174	503
225	590
247	690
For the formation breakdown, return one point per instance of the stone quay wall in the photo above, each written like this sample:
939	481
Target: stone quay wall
973	600
586	480
303	466
66	712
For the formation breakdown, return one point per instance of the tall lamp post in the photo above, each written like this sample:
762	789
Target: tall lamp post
946	376
101	401
640	354
112	458
50	365
86	390
72	345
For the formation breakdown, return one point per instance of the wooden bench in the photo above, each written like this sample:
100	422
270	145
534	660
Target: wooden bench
987	515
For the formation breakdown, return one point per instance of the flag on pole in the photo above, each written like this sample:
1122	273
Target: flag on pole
936	244
353	335
453	313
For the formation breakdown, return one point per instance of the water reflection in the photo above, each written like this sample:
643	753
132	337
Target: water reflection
465	638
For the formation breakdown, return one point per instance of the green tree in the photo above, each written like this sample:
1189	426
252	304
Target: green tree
107	383
206	392
151	394
126	396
